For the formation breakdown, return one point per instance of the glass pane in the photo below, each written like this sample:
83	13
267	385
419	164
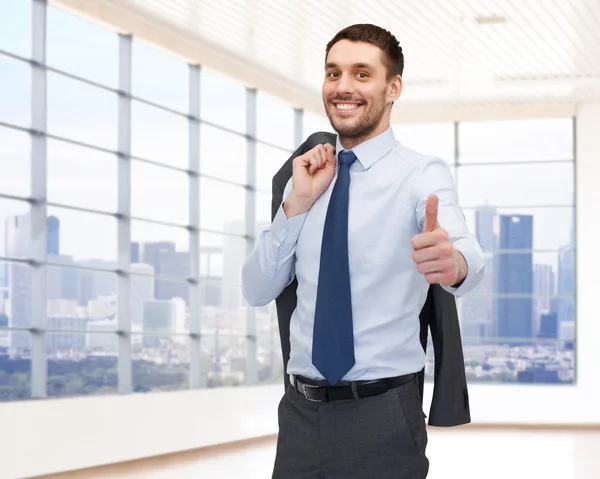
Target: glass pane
15	369
547	361
222	256
222	206
16	280
275	121
81	364
15	94
80	299
159	135
142	290
15	27
269	358
82	48
82	177
165	248
229	163
160	362
530	140
81	112
85	238
538	277
224	372
518	228
15	228
222	101
263	212
268	162
15	162
159	193
159	77
312	123
519	185
433	139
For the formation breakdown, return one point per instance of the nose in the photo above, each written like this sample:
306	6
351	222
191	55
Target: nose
345	85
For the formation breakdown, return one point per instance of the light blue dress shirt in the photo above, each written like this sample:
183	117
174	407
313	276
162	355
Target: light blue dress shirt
389	187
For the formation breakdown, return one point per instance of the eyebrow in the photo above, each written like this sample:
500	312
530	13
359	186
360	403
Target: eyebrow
356	65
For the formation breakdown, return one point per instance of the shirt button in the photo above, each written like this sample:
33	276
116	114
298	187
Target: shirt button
282	230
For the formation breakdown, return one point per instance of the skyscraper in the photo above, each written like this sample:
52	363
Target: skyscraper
543	288
484	227
513	315
476	310
52	235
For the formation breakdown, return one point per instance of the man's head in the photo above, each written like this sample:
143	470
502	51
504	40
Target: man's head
363	77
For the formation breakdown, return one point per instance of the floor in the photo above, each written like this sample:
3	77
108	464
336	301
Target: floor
454	453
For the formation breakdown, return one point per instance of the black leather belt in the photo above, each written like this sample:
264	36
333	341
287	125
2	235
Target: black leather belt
355	390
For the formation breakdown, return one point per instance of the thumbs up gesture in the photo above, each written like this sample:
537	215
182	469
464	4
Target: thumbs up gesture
434	254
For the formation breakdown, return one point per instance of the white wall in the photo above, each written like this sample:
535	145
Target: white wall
58	435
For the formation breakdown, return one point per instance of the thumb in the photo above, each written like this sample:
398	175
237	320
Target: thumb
431	212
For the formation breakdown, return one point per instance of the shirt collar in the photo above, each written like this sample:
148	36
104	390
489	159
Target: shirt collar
371	151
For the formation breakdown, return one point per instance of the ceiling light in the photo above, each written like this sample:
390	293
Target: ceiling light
490	19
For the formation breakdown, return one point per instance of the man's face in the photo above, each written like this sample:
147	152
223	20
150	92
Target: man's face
356	91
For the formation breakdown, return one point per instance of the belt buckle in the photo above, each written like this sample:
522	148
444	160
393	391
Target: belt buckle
305	388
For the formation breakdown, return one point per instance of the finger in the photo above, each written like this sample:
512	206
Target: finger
314	163
431	253
437	266
330	154
424	240
322	156
431	212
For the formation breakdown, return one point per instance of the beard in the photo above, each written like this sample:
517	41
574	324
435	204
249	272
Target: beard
355	129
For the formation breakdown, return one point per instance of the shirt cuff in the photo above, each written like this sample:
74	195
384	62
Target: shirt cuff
285	232
475	267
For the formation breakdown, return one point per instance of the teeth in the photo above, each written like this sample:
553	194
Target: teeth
347	106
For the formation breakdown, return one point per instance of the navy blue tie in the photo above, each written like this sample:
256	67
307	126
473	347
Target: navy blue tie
333	335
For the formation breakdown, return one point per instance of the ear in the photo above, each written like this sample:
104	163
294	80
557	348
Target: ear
395	89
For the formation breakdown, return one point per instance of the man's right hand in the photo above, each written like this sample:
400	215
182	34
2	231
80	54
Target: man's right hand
312	173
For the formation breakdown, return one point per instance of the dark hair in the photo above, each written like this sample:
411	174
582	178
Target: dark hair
365	32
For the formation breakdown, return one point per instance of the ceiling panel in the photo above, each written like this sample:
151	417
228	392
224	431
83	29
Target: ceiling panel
456	52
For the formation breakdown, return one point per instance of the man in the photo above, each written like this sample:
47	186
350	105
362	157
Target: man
365	228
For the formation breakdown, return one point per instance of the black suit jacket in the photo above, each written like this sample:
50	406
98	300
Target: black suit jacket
450	402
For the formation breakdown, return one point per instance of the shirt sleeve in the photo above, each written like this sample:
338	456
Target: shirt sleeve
435	177
270	267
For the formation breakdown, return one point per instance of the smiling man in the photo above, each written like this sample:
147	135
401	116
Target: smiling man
365	228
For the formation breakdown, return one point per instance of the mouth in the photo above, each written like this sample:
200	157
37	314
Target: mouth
347	108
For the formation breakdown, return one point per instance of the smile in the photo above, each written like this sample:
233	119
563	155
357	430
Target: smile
347	107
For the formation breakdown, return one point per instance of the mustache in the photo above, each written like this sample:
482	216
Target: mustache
339	97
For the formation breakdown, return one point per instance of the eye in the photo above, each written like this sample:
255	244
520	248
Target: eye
363	75
332	74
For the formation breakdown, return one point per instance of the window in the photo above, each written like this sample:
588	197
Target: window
518	324
15	94
15	28
275	121
223	155
15	163
222	101
159	77
82	48
434	139
81	112
159	135
86	196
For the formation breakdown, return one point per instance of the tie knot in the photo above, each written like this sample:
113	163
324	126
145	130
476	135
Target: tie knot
346	157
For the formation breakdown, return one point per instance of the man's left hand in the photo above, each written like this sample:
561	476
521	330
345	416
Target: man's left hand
434	254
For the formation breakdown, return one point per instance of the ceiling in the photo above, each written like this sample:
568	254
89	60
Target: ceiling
457	53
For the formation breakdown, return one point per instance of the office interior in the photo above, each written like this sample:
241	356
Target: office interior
138	140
